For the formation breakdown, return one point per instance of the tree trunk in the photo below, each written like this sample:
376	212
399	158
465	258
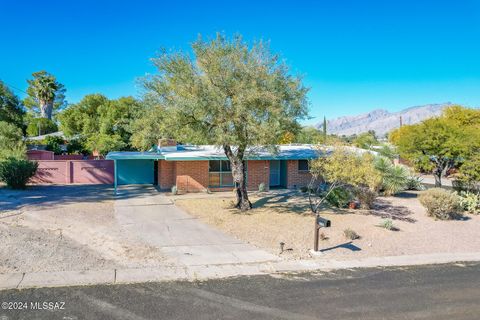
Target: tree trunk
43	109
239	174
46	109
437	173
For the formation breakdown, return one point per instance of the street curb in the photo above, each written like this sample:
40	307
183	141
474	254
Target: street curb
204	272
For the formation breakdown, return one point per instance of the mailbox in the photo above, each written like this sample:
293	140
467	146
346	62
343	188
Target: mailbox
322	222
319	223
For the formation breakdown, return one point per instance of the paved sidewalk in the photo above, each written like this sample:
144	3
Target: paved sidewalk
204	272
155	220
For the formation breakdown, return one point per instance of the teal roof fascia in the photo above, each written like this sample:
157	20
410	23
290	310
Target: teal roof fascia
134	156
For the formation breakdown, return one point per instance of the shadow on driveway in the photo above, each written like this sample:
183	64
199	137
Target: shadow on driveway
52	195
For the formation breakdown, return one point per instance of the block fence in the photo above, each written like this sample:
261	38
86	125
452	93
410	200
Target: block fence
74	171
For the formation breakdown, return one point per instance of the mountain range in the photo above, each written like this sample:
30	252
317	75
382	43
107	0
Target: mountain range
381	121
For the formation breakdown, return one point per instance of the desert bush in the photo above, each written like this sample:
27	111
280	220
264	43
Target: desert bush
440	203
261	187
394	178
350	234
469	202
339	197
366	197
17	172
415	183
387	224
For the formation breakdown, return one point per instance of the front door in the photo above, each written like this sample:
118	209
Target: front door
274	173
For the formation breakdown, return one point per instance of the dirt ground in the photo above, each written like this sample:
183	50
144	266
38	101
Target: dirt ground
284	217
66	228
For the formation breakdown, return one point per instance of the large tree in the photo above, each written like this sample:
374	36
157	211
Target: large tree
104	124
437	144
45	94
228	94
11	108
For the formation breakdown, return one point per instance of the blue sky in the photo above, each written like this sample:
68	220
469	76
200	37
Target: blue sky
354	55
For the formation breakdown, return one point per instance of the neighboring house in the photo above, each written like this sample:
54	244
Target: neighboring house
196	168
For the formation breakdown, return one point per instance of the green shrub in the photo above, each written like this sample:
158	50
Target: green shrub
415	183
387	224
40	126
17	172
440	203
76	146
366	197
339	197
350	234
54	144
261	187
11	141
394	178
470	202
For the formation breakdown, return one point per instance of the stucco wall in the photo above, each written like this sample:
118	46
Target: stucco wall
81	171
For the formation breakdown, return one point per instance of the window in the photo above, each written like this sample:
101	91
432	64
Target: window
303	165
220	173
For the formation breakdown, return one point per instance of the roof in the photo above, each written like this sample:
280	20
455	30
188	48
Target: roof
53	134
210	152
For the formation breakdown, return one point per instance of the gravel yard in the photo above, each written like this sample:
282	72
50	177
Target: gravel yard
281	216
60	228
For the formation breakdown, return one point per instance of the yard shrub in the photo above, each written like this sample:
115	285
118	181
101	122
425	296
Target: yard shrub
17	172
366	197
415	183
261	187
440	203
394	177
350	234
387	224
470	202
339	197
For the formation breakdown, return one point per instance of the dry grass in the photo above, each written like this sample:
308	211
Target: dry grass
285	217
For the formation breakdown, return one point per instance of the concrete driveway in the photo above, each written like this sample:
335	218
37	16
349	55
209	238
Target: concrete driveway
154	219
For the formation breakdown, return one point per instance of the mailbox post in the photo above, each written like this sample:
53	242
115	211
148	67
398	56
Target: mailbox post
319	222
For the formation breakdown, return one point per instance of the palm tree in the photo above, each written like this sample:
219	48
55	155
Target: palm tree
45	93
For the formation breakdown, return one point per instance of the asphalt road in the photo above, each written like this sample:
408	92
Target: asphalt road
429	292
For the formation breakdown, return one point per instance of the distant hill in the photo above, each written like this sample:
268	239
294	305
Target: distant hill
382	121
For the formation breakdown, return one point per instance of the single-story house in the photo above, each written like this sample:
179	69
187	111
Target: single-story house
196	168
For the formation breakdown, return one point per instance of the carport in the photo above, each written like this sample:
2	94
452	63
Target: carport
134	167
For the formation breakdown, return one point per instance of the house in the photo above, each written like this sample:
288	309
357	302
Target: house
196	168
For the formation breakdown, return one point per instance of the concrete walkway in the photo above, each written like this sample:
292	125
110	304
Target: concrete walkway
204	272
155	220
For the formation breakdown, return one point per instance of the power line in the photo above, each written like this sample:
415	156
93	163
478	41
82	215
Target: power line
13	87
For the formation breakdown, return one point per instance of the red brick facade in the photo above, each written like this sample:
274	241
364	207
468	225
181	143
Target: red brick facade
193	176
296	178
258	171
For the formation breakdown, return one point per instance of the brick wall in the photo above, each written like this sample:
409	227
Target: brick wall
166	174
296	178
191	176
258	172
